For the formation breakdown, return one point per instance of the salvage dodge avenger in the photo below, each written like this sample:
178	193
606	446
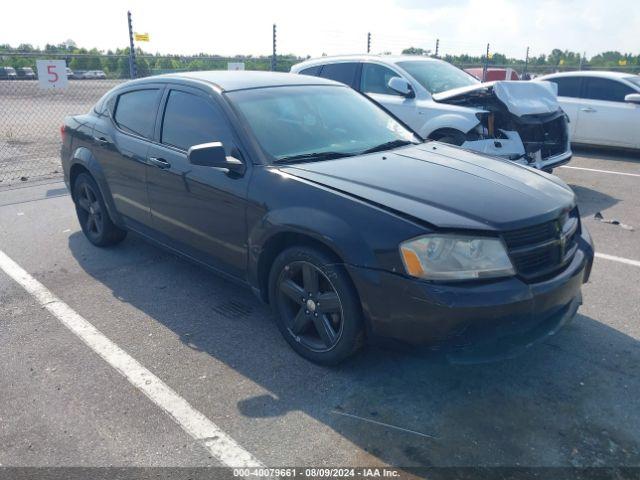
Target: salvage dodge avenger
351	227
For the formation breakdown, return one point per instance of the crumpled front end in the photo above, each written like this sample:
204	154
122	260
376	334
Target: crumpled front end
521	121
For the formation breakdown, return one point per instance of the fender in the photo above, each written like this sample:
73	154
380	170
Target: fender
321	226
452	121
83	156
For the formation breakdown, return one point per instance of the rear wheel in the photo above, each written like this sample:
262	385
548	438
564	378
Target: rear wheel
92	213
316	307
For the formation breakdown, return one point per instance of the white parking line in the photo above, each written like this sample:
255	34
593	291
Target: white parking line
217	442
602	171
628	261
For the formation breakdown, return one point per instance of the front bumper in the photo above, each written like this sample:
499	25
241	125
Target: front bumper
512	147
474	320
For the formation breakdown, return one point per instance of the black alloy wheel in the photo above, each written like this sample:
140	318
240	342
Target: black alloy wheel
310	305
92	213
317	309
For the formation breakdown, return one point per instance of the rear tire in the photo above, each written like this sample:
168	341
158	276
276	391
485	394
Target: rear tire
316	307
92	213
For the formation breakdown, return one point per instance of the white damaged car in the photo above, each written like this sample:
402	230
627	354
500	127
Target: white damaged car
521	121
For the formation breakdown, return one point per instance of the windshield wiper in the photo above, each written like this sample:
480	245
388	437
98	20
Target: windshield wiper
306	157
387	146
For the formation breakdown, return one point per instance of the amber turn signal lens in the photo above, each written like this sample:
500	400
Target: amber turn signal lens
412	262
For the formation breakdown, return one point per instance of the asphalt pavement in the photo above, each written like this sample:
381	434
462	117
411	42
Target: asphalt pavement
571	401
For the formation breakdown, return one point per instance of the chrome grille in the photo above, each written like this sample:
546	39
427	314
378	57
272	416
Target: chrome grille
543	249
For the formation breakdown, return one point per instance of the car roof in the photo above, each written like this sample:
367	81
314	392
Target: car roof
588	73
363	58
243	79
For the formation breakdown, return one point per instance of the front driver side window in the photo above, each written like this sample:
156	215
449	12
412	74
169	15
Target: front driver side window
192	120
607	90
375	79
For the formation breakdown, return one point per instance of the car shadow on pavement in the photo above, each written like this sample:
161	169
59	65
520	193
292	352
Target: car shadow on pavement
571	401
591	201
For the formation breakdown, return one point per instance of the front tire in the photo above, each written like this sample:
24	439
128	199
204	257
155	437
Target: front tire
92	213
315	304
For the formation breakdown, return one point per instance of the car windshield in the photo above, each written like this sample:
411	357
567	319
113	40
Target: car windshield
635	80
436	76
308	123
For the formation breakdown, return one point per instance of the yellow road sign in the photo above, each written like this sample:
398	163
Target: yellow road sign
141	37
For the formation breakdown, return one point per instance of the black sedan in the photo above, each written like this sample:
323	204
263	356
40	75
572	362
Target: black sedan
332	211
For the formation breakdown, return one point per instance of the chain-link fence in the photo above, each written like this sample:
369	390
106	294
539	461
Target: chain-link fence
30	118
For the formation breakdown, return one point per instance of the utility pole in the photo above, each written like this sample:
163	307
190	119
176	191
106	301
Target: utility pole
437	47
369	42
526	63
486	65
133	73
584	54
273	56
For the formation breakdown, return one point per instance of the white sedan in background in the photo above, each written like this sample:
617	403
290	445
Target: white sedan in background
604	107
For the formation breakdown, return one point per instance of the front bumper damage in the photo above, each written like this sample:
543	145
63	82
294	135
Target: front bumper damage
511	147
520	121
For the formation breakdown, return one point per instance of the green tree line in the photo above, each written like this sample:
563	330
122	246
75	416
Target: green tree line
115	63
557	59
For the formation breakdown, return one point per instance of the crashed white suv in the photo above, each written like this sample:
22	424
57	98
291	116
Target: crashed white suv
521	121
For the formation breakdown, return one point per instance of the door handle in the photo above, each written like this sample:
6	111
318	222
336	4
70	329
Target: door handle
100	140
588	110
159	162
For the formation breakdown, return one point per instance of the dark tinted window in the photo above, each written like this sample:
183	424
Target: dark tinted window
635	80
136	111
315	71
191	120
340	72
375	79
568	86
604	89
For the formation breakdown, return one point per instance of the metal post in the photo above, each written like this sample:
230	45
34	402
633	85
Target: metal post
132	53
486	65
369	42
437	47
273	56
526	63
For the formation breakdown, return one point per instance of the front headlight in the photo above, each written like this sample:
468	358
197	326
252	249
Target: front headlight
455	257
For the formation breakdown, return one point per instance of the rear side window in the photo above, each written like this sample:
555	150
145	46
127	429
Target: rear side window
191	120
568	86
375	79
605	89
340	72
315	71
136	111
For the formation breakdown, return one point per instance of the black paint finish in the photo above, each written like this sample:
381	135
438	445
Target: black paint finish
358	208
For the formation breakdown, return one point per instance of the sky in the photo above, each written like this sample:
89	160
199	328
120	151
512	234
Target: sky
330	26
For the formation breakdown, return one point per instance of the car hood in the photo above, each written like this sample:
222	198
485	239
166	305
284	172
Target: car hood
519	97
444	186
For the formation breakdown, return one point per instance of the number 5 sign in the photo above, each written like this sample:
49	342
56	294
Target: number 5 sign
52	73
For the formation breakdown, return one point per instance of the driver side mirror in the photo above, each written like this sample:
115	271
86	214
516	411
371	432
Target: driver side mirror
214	155
632	98
401	86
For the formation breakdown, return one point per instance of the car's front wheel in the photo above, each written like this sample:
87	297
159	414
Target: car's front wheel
92	213
316	307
